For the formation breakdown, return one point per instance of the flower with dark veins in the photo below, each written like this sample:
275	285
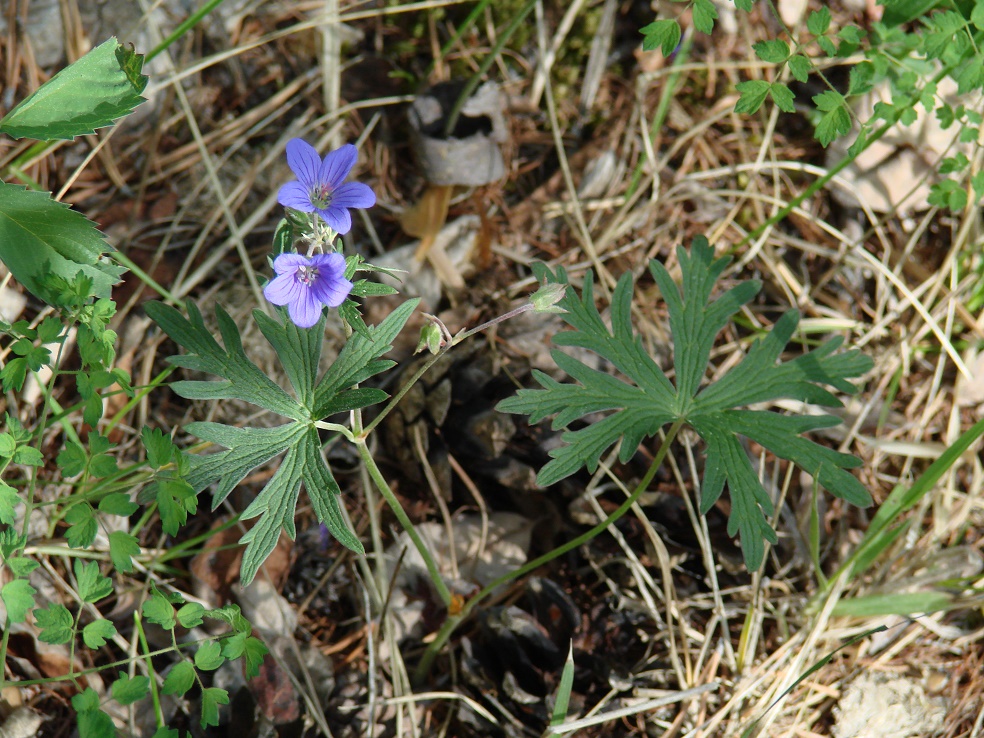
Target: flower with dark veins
306	283
321	187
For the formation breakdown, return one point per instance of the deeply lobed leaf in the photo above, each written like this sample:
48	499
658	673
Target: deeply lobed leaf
247	448
642	400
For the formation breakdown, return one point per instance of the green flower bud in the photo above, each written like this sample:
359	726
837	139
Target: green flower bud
546	298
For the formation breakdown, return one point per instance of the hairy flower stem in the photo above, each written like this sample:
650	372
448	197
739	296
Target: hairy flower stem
427	660
401	515
360	433
524	308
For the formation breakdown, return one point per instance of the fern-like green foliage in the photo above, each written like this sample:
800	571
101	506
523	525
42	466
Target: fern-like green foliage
642	399
299	351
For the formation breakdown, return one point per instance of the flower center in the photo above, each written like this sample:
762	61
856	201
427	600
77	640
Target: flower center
321	196
307	275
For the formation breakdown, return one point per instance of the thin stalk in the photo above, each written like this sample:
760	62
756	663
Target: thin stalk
453	621
459	32
472	83
114	664
138	397
666	97
821	182
401	515
154	696
190	22
125	261
395	400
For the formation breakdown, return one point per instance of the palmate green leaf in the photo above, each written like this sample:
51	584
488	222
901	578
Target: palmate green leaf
241	378
180	679
209	656
212	697
704	14
82	525
128	690
642	399
782	96
55	623
190	615
122	548
835	120
774	51
175	500
41	238
92	586
158	609
662	34
21	566
247	448
275	504
751	95
101	87
18	598
96	633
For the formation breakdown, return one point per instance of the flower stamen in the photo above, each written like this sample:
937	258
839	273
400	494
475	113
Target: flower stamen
321	196
307	275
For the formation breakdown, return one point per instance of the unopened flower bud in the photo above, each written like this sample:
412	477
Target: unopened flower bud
431	338
546	298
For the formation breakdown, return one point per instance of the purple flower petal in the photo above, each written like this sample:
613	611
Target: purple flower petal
295	195
331	287
289	262
305	310
337	164
353	195
338	219
304	162
332	264
332	292
282	290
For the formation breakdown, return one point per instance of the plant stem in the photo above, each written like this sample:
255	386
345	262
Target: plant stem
186	25
427	660
395	400
401	515
155	697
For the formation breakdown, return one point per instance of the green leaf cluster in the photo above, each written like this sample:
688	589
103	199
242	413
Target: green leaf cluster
30	349
640	399
834	117
313	400
56	623
665	33
93	722
170	610
915	45
170	489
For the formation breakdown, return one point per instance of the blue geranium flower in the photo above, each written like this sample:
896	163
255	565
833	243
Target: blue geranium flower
321	187
306	284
